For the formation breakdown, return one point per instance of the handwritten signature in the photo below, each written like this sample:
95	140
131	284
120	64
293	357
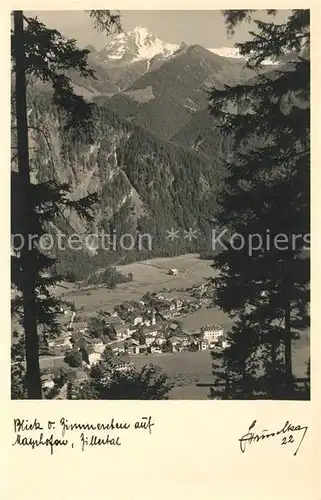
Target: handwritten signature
287	434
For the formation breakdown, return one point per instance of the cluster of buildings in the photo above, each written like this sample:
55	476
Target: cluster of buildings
148	326
204	292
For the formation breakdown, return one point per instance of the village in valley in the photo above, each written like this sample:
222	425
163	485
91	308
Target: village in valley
147	261
148	327
165	316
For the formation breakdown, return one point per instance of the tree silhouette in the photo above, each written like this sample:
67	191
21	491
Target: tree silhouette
107	381
265	286
40	54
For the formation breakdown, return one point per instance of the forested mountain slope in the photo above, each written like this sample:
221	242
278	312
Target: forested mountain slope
144	183
165	99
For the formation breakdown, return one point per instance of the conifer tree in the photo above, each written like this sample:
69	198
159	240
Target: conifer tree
263	260
40	54
107	381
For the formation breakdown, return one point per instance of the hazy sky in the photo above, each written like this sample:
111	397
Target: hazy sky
206	28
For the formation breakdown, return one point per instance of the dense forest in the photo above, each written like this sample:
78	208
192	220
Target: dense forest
138	179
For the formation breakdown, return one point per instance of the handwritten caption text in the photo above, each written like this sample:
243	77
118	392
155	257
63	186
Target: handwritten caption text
53	434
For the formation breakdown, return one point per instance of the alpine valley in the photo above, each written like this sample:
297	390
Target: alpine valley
156	159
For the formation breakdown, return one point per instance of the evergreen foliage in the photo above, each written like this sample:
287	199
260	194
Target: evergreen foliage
73	358
108	382
42	54
265	288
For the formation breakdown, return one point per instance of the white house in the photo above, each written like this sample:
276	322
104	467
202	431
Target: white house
149	339
155	349
138	320
203	345
179	304
118	347
121	331
94	357
47	382
133	346
173	272
98	345
185	340
212	333
151	320
176	343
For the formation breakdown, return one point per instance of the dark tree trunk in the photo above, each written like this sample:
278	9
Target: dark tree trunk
288	350
274	383
27	258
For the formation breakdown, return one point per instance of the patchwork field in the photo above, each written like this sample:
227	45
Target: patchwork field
191	368
188	369
202	317
148	276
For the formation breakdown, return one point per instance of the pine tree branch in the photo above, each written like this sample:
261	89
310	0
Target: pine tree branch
26	19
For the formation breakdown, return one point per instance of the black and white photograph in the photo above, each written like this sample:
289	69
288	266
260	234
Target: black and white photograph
160	205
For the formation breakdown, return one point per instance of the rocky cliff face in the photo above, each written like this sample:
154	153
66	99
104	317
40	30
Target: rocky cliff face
85	168
143	182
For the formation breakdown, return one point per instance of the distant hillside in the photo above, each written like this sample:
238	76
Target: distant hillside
145	184
201	135
165	99
90	87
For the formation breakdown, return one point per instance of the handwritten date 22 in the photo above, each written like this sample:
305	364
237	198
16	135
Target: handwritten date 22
289	433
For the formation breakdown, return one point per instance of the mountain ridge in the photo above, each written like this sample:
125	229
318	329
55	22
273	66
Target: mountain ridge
153	164
145	45
129	55
164	98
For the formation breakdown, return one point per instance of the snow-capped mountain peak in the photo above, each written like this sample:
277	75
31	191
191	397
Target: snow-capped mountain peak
232	52
138	44
142	35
